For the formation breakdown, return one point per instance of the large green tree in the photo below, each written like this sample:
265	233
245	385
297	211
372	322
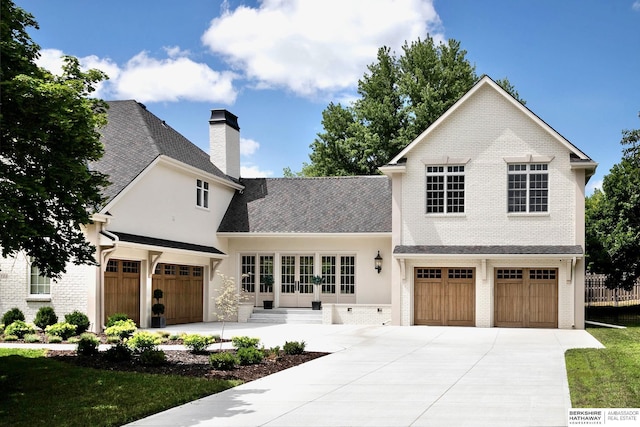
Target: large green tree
613	219
399	97
48	136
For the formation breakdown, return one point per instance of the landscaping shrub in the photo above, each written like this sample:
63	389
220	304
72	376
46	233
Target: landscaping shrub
54	339
116	317
174	337
87	345
45	316
113	339
19	328
31	338
153	357
294	347
79	319
1	328
143	341
197	343
245	342
9	338
118	353
249	355
121	328
62	329
223	361
12	315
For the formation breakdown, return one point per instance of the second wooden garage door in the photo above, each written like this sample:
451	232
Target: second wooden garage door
182	286
444	296
526	298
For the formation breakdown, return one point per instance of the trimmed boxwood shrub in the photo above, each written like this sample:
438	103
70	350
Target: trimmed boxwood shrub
153	357
143	341
32	338
249	355
88	345
79	319
223	361
118	353
245	342
12	315
19	328
294	347
45	316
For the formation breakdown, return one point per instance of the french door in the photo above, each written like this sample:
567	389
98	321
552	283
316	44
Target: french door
296	288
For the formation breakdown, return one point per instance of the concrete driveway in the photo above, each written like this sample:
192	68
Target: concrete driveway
396	376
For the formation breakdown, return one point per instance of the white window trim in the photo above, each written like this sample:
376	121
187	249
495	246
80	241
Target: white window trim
36	297
528	172
202	189
446	174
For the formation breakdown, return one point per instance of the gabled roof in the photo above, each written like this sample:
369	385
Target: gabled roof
577	156
134	137
355	204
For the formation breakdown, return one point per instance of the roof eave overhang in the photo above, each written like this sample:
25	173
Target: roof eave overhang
108	241
487	256
389	170
191	169
302	235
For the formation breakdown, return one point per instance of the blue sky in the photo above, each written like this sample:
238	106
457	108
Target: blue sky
277	64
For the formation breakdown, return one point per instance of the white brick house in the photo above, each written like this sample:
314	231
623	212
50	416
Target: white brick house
483	211
488	219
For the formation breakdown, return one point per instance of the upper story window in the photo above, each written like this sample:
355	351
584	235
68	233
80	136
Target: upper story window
38	284
528	187
445	189
202	193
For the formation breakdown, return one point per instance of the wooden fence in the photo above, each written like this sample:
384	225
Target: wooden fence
597	294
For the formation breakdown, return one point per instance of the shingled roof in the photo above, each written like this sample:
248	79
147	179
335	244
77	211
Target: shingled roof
134	138
356	204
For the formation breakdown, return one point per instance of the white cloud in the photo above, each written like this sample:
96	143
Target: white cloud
316	46
148	79
248	146
636	5
254	171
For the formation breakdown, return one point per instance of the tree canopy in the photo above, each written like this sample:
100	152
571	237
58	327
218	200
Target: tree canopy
48	130
613	219
399	97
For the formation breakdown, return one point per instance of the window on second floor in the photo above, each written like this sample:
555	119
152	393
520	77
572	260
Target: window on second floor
528	187
202	193
445	189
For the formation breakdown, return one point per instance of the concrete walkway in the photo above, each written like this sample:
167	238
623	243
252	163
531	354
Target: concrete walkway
396	376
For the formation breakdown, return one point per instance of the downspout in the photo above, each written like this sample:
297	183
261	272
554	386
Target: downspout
573	288
103	265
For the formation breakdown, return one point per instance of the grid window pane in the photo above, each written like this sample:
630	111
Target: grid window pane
435	193
288	274
202	193
329	274
429	273
347	274
248	273
266	270
39	285
445	189
528	188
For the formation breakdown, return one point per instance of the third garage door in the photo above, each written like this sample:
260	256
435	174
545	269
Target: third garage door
444	296
526	298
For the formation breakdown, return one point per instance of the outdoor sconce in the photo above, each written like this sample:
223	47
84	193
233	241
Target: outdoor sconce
378	261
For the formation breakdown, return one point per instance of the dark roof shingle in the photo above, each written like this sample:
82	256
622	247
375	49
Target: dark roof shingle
134	137
356	204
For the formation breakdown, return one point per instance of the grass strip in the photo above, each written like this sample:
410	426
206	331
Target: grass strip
37	391
608	377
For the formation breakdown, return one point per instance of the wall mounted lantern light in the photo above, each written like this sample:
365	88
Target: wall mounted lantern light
378	262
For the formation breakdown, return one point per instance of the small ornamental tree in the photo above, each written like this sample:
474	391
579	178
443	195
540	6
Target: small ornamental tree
228	301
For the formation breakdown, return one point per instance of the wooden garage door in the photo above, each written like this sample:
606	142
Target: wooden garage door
444	296
526	298
122	289
182	286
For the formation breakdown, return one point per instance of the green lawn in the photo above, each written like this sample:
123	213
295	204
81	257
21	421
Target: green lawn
38	391
609	377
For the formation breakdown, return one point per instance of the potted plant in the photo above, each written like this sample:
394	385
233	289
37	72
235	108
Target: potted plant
158	320
267	281
317	281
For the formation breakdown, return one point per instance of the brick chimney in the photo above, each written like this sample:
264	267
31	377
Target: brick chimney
224	142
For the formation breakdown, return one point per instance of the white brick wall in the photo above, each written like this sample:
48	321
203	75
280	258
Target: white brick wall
356	314
67	295
486	129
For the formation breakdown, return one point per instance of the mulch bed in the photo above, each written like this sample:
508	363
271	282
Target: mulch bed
182	362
